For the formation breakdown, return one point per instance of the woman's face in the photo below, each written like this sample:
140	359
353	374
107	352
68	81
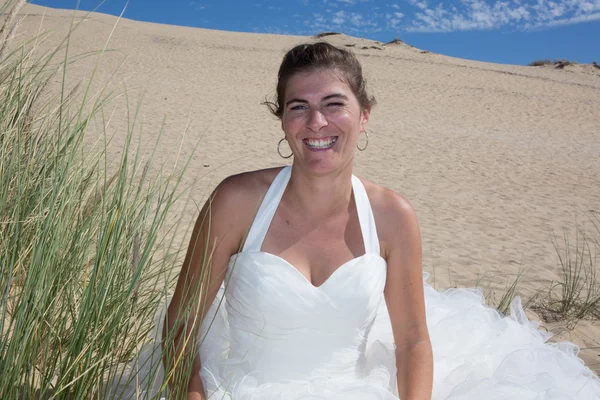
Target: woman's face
322	120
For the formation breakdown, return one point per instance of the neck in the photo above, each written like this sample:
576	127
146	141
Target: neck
321	195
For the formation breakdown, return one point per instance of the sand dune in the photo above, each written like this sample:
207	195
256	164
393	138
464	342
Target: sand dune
495	158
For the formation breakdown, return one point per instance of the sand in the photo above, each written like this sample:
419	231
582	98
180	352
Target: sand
496	159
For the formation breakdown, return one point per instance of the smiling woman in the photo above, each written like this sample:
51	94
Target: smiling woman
315	283
322	120
323	104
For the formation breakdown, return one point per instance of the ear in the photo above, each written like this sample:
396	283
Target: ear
364	118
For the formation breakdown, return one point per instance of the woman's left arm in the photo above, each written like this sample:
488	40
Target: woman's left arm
405	300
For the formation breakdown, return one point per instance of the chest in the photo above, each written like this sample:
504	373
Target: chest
315	247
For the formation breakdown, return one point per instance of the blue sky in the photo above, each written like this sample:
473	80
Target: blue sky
504	31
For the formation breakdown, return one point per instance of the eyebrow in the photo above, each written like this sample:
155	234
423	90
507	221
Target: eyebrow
328	97
335	96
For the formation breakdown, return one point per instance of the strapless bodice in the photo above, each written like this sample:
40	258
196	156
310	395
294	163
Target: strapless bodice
289	329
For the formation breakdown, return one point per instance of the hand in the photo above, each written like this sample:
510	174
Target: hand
196	389
195	396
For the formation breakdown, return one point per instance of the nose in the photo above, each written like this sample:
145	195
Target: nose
316	120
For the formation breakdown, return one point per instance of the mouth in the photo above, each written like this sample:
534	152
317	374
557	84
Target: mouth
320	144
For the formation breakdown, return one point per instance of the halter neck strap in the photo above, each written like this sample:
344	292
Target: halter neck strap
365	217
270	203
266	211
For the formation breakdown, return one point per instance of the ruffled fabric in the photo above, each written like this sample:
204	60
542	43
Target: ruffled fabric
478	354
481	354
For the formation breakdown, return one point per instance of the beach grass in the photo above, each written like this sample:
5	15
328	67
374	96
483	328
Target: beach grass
85	256
576	295
573	297
501	294
558	64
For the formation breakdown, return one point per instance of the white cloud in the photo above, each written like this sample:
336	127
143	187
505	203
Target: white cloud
566	21
350	17
393	19
319	18
422	4
344	2
196	6
345	21
339	18
357	19
481	14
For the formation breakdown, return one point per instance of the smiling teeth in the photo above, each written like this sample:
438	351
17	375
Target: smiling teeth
320	143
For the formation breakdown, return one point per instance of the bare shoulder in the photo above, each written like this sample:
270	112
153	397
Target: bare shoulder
235	201
395	217
249	186
390	208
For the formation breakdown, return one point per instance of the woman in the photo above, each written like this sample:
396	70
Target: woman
318	277
314	231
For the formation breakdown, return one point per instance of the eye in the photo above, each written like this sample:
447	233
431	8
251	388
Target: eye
298	107
335	104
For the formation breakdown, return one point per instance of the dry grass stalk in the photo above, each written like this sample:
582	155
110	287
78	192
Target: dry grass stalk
576	295
10	25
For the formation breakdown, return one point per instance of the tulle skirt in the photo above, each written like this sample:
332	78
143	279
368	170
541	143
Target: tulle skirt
478	354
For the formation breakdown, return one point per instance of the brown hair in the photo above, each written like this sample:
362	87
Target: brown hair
321	55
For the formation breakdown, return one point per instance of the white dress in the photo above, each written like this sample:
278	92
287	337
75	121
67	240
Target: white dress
278	337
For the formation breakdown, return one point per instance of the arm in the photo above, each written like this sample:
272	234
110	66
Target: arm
216	236
405	300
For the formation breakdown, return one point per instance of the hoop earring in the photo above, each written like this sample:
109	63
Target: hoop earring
279	149
366	144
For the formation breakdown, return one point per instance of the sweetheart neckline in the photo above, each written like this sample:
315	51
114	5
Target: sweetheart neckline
304	278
